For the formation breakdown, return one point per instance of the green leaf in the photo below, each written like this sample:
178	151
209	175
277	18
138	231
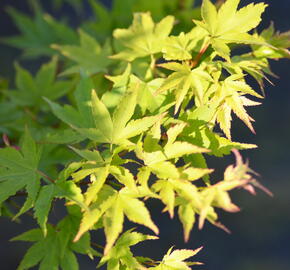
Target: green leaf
102	24
61	136
30	91
136	127
102	118
124	176
238	21
221	48
170	185
59	243
124	112
188	191
121	254
176	259
179	149
173	132
187	218
83	98
144	136
33	235
90	113
106	197
38	33
69	261
207	210
184	79
209	15
43	205
70	191
113	207
193	174
151	152
67	114
166	193
137	212
89	155
147	99
113	223
230	96
245	19
164	169
180	47
226	14
99	179
279	41
33	256
21	171
143	37
223	201
230	25
120	82
89	57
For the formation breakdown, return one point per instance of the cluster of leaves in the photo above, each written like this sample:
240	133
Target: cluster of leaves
111	122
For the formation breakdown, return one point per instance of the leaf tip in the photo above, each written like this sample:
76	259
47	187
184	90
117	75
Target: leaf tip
155	230
186	236
78	236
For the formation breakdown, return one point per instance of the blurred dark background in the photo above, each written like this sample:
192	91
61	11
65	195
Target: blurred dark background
260	238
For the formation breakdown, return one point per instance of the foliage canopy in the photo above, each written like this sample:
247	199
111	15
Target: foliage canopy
124	113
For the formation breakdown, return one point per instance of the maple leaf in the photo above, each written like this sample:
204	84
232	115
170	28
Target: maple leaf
30	91
143	37
59	243
145	98
154	155
176	259
59	189
229	25
20	171
241	175
257	68
235	176
279	41
39	33
120	83
178	190
184	79
91	111
199	133
10	116
89	56
112	207
180	47
230	97
120	255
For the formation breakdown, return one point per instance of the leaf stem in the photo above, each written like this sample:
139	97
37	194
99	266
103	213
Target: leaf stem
46	176
97	245
195	61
